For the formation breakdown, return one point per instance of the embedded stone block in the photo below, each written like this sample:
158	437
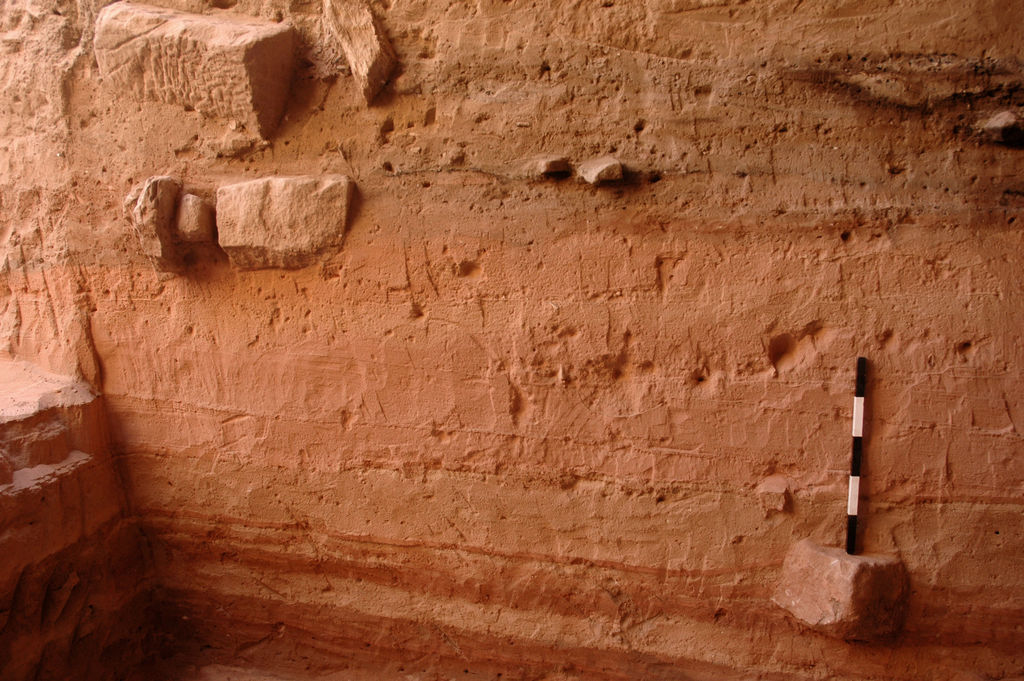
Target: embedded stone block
221	65
860	597
175	230
773	494
285	222
151	208
362	39
543	167
1004	127
602	169
194	222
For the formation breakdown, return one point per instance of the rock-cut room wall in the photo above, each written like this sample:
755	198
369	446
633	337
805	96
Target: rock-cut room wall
520	337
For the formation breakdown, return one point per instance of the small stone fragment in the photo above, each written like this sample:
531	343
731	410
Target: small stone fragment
850	597
773	495
195	219
602	169
362	39
151	208
543	167
225	66
453	158
233	144
282	222
1004	127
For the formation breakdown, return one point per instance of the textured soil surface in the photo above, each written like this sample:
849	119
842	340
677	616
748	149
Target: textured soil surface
515	425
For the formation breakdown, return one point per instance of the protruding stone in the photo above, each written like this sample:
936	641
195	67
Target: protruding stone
453	158
542	167
362	39
285	222
773	494
850	597
195	219
1004	127
224	66
602	169
151	208
234	143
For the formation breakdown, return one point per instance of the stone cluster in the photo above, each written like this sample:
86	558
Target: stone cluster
595	171
228	65
169	224
283	222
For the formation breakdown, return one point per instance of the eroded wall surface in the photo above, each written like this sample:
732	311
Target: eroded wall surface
523	423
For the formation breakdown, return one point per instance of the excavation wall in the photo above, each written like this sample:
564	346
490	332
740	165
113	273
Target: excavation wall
505	420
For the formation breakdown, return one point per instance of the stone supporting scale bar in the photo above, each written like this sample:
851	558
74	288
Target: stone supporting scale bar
856	598
853	496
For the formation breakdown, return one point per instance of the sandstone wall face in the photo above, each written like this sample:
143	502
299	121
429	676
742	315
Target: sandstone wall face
518	423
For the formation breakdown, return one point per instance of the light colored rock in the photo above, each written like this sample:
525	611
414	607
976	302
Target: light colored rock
602	169
1000	121
886	87
849	597
366	47
62	505
773	494
282	221
547	166
194	222
151	209
37	410
224	66
1003	127
234	143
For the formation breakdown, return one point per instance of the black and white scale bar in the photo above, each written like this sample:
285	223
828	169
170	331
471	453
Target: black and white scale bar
858	449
